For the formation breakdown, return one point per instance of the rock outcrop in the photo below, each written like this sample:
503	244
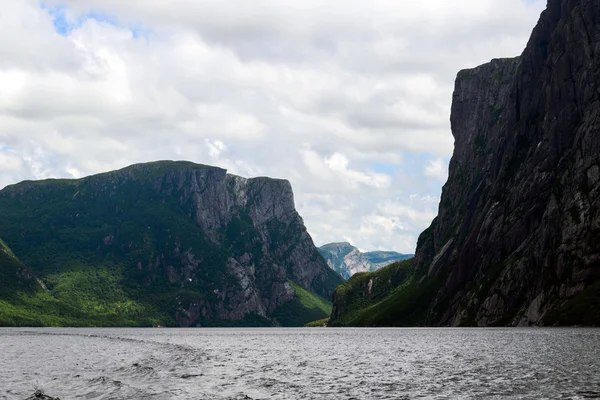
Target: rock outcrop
521	244
516	239
40	395
216	247
347	260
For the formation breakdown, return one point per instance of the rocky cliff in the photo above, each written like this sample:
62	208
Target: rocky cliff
347	260
516	238
169	243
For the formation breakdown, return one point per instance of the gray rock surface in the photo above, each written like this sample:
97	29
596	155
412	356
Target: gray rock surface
279	249
348	260
517	237
229	244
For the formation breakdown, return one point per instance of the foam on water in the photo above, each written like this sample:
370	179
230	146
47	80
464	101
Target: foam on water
300	363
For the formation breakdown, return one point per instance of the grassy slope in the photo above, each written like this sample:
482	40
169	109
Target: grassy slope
320	323
60	229
396	299
80	297
304	308
14	276
20	294
90	282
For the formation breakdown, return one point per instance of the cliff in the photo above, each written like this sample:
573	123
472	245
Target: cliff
168	243
515	241
347	260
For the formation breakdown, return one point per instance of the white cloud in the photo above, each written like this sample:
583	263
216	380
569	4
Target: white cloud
437	169
10	162
215	148
350	100
338	163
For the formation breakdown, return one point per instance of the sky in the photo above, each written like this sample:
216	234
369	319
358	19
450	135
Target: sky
349	100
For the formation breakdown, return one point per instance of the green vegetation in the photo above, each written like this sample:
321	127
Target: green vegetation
114	250
391	296
86	240
332	280
14	276
320	323
79	297
4	249
304	308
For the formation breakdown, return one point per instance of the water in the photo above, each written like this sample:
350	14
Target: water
300	363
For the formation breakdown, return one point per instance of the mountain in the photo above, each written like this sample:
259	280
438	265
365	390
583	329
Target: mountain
24	301
380	259
389	296
15	276
347	260
516	239
164	243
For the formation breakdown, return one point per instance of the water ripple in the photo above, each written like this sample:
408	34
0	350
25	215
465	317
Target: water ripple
257	364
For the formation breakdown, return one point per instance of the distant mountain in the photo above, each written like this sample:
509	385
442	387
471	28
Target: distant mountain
380	259
164	243
347	260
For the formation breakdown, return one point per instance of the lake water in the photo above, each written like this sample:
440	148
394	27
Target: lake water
300	363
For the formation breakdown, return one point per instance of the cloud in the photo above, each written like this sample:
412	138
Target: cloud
215	148
10	162
437	169
348	100
338	163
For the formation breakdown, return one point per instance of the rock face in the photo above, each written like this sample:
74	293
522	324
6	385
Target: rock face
347	260
521	244
516	239
216	247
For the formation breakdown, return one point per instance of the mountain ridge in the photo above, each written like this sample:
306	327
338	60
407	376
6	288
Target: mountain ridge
348	260
186	242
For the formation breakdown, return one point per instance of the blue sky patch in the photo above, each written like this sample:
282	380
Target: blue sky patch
384	168
64	23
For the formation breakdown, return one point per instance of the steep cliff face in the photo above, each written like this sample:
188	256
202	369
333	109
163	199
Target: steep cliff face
347	260
184	240
520	245
516	239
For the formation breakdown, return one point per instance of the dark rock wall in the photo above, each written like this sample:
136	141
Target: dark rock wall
518	230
